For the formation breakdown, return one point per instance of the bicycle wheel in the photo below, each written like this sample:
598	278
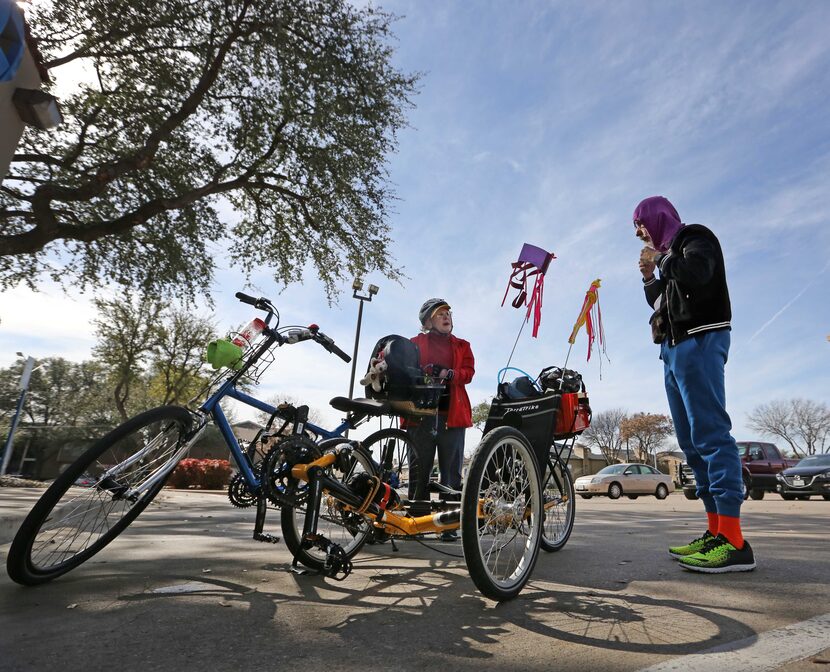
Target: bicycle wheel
90	503
394	451
501	514
559	506
345	528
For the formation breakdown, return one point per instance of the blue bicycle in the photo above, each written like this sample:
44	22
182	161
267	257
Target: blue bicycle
102	492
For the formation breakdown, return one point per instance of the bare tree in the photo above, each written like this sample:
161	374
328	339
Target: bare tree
648	431
803	424
604	433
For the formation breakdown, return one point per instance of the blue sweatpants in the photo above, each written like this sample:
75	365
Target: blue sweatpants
694	377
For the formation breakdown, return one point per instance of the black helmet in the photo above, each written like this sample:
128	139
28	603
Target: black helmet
430	307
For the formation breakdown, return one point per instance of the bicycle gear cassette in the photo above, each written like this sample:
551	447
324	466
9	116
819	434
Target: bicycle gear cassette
277	483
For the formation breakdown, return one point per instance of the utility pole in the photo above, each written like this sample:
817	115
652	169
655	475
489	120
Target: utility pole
23	385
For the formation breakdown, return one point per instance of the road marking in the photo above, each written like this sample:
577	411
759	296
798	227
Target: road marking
759	653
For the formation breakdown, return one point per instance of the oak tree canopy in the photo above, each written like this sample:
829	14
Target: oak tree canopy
256	128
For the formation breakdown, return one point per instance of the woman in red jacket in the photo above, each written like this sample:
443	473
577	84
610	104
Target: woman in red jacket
450	359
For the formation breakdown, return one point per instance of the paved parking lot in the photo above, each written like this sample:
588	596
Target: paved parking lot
185	587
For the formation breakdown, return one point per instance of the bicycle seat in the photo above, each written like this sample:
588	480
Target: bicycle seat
362	406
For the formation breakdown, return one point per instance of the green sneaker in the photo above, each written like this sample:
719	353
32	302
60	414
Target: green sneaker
694	546
719	556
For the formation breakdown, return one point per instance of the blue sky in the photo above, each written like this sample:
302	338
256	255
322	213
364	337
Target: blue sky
547	123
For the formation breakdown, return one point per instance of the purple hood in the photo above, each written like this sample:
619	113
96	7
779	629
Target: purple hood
660	219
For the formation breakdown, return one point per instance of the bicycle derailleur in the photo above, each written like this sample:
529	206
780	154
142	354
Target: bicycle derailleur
337	565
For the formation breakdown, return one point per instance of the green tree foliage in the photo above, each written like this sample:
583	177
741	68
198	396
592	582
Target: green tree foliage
178	371
256	127
153	354
61	394
480	412
126	333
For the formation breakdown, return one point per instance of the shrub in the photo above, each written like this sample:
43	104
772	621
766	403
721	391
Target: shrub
205	474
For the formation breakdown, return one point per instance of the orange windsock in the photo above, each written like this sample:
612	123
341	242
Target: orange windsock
591	317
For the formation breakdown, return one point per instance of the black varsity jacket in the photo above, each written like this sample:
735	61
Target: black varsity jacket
690	296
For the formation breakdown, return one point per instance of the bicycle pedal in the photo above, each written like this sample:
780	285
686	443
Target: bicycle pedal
267	538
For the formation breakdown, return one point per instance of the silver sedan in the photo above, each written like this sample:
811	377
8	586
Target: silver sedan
627	479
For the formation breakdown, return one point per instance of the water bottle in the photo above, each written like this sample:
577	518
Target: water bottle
248	335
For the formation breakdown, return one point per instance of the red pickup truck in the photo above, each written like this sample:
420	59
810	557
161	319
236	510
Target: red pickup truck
760	463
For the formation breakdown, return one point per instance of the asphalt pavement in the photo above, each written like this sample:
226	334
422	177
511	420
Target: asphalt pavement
185	587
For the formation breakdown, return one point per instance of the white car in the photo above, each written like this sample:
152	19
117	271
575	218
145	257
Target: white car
627	479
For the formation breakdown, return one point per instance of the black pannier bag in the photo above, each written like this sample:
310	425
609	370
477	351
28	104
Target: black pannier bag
534	416
560	411
403	383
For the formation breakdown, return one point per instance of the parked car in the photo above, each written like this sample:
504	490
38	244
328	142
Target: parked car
627	479
811	476
760	464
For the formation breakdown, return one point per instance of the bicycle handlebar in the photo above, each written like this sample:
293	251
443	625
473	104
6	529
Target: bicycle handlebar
261	303
294	336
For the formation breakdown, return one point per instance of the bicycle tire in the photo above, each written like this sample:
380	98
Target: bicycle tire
559	504
71	522
348	529
404	455
503	483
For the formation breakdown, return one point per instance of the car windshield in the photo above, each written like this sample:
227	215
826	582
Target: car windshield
612	469
815	461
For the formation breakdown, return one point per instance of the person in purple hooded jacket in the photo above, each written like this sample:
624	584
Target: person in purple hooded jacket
691	322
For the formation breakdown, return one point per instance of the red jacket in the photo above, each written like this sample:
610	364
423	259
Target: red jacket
459	413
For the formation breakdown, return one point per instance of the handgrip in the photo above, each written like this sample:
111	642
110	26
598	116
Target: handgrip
328	343
342	355
245	298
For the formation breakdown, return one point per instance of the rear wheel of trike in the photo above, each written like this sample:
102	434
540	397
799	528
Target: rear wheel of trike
395	451
92	501
501	514
559	506
347	529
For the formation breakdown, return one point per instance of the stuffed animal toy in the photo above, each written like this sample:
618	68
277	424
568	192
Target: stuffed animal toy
376	374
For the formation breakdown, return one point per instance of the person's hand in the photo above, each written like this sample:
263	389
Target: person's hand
647	264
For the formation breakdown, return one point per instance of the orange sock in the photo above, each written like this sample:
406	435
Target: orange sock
730	527
713	523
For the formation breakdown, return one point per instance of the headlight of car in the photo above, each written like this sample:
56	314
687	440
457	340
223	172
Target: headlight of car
825	474
779	476
597	479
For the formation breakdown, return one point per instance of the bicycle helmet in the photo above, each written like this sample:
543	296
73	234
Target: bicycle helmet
430	307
